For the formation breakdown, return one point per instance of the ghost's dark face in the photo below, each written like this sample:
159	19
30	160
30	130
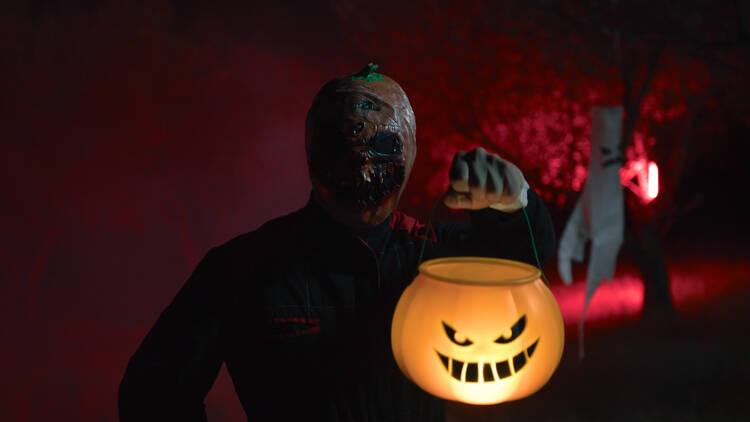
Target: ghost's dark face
360	143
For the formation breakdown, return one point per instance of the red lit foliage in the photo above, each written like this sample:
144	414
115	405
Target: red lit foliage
478	75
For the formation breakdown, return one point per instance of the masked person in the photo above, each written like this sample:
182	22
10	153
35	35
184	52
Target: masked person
300	309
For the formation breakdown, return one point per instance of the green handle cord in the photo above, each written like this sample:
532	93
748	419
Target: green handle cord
533	246
528	224
427	230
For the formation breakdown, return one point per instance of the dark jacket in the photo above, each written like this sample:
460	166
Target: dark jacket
300	310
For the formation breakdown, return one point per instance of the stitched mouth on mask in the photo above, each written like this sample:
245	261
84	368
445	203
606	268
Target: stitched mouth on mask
482	372
370	189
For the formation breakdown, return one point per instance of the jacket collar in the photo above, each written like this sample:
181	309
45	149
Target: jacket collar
324	225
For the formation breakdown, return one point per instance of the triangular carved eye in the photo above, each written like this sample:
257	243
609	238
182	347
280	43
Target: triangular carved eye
515	331
451	333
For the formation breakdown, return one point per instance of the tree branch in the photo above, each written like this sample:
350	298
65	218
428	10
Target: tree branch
633	105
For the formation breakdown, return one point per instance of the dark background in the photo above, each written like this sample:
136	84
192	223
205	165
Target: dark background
134	136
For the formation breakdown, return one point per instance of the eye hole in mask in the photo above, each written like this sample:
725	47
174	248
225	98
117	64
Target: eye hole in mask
366	105
386	145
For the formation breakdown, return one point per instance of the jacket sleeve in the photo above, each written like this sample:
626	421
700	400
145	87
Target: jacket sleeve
171	372
494	233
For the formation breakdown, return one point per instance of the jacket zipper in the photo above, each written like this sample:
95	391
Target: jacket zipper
375	256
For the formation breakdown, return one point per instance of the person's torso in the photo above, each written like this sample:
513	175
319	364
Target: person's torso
312	332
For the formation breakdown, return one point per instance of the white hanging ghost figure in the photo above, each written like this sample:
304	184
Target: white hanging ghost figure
599	215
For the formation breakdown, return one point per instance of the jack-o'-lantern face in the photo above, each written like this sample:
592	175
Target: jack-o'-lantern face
360	144
492	370
477	330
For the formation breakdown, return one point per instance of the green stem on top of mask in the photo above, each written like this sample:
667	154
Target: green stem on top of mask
368	74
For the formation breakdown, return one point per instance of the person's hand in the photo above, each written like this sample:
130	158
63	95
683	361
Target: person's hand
480	179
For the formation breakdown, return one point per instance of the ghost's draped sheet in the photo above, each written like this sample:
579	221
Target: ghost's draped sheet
598	216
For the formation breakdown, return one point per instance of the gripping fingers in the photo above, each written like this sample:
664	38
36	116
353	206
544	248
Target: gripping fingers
457	200
495	183
479	179
478	167
459	173
513	180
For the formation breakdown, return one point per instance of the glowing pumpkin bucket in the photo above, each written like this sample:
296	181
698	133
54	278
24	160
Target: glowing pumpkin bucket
477	330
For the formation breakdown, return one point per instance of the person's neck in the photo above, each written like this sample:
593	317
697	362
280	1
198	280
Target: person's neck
363	232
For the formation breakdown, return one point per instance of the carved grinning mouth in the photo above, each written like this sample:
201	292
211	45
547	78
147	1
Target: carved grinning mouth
491	371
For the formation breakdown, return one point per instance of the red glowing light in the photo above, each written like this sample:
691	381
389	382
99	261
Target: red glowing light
642	178
652	188
639	174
